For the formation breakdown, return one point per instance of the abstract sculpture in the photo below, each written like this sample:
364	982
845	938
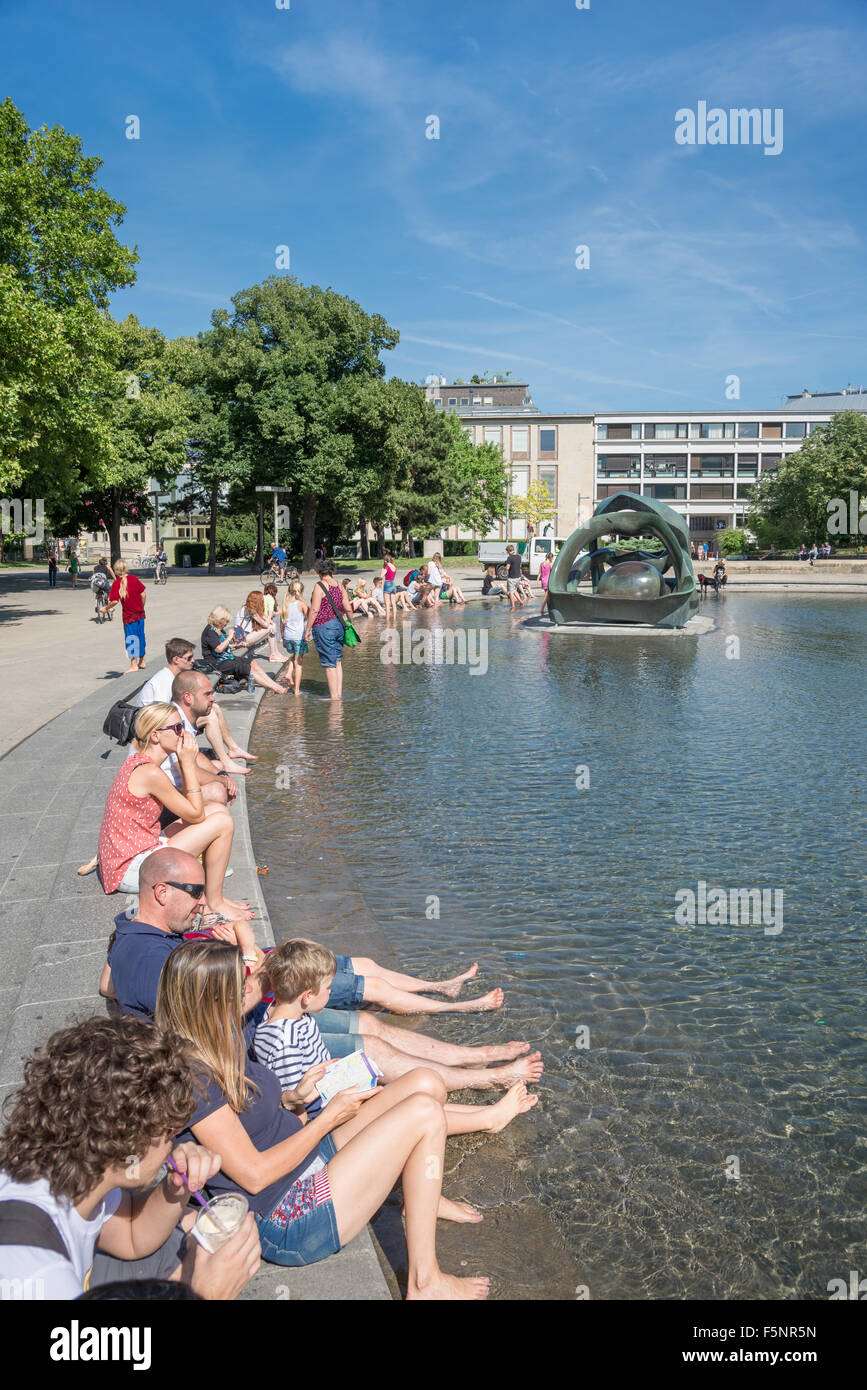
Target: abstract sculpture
627	585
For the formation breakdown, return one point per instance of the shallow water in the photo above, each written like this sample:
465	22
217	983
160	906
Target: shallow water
712	1050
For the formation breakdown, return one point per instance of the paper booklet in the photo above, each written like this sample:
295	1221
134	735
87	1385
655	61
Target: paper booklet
356	1070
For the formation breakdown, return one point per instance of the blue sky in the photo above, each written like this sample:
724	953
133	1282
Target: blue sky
305	127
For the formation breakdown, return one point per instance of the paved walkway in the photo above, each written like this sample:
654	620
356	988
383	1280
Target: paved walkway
54	926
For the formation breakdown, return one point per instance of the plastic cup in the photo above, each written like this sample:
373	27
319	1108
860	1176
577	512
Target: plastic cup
230	1210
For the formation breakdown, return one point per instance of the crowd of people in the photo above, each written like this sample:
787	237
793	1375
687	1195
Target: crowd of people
214	1052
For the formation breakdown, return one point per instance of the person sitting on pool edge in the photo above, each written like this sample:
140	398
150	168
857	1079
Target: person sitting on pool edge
90	1129
288	1041
169	903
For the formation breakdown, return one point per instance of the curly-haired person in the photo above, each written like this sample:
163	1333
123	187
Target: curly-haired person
90	1129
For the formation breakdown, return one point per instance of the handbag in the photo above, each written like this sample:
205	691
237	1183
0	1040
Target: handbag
350	632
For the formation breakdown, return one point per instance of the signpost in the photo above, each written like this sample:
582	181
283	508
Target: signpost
275	491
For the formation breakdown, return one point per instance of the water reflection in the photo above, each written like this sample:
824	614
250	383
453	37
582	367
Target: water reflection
705	1042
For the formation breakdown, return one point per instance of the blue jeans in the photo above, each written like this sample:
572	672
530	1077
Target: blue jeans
347	988
340	1033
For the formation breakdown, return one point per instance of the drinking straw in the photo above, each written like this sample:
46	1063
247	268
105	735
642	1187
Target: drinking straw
197	1197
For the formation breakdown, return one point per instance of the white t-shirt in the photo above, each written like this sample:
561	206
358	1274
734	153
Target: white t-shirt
433	575
42	1273
158	690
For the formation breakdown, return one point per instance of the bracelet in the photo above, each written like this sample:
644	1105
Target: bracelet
251	957
195	791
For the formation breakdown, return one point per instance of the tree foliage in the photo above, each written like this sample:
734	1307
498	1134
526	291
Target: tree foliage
791	507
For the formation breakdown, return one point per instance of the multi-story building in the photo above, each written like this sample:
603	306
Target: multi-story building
703	465
555	450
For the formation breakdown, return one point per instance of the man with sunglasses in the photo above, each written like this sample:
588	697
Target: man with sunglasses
171	898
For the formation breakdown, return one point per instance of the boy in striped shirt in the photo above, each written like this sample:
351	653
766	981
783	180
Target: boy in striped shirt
288	1041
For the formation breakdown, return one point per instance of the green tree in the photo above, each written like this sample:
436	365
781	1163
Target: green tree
281	360
535	507
794	505
60	261
733	541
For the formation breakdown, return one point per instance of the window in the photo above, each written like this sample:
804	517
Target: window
465	400
489	400
520	441
748	465
795	430
712	466
667	430
477	400
438	400
622	432
547	441
601	431
674	492
619	465
126	535
453	400
772	431
748	429
609	490
745	491
520	482
811	428
96	535
665	465
769	463
714	429
548	479
492	434
715	492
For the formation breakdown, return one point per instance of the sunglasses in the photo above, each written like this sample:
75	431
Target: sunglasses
195	890
175	728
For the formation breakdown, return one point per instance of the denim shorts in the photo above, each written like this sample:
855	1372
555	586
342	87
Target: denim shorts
389	586
304	1240
347	989
328	641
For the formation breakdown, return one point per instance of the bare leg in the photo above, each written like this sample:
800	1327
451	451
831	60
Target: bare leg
377	991
407	1139
331	676
422	1045
233	746
362	965
261	678
297	675
212	727
393	1064
212	838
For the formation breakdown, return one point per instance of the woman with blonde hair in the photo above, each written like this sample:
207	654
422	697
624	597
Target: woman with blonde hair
293	615
453	593
128	591
140	793
222	654
265	1148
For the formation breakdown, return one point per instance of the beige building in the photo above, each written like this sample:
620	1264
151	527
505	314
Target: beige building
553	449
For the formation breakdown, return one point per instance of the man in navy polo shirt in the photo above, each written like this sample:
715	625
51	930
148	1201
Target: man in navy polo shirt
171	894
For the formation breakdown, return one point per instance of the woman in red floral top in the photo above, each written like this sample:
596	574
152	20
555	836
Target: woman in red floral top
140	793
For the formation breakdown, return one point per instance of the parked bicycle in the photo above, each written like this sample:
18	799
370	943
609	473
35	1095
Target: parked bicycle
100	594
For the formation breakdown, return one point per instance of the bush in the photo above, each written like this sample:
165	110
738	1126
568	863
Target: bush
733	541
197	551
459	548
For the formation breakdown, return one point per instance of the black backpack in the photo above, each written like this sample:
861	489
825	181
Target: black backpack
119	723
23	1223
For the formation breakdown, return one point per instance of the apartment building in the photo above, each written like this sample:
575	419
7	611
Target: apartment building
703	465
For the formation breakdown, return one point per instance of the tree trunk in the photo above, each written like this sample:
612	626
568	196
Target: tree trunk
114	530
308	541
212	534
365	543
379	531
259	562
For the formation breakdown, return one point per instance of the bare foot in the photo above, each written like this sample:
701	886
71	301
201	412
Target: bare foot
449	1288
89	867
493	1000
516	1101
505	1052
457	1211
225	907
242	753
235	769
453	987
129	670
527	1069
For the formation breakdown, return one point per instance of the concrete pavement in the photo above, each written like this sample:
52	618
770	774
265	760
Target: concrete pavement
54	926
